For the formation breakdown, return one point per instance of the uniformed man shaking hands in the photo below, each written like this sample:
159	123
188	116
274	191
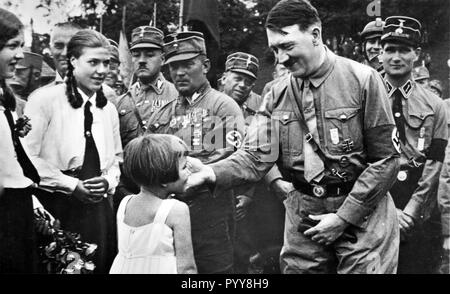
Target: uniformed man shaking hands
336	136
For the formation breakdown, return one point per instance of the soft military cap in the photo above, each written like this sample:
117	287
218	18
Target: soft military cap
402	29
147	37
184	46
420	73
114	50
373	29
244	63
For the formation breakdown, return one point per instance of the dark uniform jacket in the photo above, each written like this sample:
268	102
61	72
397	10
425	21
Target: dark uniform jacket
212	126
423	151
356	130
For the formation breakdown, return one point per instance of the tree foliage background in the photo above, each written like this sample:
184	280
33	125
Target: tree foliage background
241	22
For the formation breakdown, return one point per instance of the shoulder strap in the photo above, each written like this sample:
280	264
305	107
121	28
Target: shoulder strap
163	211
122	207
309	138
136	112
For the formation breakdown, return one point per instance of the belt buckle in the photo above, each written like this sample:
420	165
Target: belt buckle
319	191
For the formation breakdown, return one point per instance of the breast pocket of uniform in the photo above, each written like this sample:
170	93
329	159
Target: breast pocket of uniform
128	123
343	130
419	129
290	133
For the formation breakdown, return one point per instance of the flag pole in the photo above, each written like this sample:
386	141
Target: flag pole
124	13
154	13
180	27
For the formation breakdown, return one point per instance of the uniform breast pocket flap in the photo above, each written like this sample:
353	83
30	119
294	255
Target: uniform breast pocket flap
343	130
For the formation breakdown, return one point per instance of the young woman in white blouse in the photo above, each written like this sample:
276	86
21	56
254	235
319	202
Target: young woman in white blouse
18	252
75	145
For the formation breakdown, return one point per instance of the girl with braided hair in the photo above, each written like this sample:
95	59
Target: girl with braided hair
75	145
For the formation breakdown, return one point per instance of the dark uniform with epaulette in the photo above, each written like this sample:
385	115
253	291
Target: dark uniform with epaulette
356	130
422	126
137	105
211	124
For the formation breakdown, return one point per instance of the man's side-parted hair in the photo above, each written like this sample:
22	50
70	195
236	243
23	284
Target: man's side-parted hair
82	39
153	159
291	12
70	26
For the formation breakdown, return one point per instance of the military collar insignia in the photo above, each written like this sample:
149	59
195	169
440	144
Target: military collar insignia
159	84
406	89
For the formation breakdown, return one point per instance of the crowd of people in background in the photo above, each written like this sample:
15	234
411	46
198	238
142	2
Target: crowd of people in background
169	175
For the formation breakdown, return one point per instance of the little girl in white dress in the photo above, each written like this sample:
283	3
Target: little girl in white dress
154	234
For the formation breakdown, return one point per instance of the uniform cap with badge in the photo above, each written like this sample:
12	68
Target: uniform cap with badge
402	29
373	29
184	46
146	37
243	63
114	50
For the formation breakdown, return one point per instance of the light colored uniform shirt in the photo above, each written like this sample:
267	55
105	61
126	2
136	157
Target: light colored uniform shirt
57	143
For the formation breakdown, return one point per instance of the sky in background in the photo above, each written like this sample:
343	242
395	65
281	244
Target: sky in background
43	21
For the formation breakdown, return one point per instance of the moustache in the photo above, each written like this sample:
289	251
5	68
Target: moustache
288	63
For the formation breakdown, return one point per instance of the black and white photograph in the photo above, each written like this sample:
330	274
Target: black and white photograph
239	138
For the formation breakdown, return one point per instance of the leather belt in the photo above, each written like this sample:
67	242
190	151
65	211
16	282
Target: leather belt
323	191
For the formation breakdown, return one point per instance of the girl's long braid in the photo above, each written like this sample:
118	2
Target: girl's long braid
8	99
72	93
74	96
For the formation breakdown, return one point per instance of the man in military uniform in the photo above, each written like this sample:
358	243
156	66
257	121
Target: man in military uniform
27	78
113	78
371	46
333	135
422	127
239	79
211	124
241	72
149	93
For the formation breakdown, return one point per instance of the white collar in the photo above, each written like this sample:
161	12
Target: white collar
86	98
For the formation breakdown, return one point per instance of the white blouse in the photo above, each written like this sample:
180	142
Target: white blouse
11	173
56	142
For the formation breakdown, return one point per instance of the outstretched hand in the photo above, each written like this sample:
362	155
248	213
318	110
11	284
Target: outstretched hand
200	173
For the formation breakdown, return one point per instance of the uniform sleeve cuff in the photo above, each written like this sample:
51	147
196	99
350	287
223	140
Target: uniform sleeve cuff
353	212
272	175
70	184
413	209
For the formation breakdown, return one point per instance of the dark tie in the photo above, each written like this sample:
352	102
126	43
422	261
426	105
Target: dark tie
397	109
27	166
91	162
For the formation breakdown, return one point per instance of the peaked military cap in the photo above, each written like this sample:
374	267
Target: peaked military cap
420	73
183	46
242	62
373	29
30	60
147	37
402	29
